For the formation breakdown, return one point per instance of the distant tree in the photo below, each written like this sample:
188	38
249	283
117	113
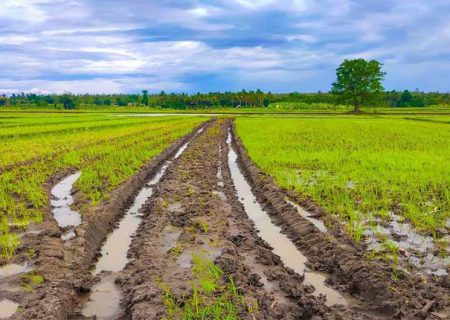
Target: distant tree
145	97
411	100
358	81
67	101
3	100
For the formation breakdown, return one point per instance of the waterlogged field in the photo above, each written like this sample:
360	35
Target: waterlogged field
384	177
106	149
199	232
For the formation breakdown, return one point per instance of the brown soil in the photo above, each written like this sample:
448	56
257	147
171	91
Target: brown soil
170	233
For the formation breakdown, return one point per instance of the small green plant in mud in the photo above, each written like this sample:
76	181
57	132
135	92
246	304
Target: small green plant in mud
203	225
387	252
31	253
189	191
177	250
31	280
214	295
8	244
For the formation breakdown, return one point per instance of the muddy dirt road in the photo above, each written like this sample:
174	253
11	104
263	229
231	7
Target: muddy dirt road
201	229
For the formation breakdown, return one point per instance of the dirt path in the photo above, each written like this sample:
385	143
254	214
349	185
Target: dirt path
196	212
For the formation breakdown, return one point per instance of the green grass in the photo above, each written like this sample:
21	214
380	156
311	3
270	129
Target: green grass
358	168
108	150
214	295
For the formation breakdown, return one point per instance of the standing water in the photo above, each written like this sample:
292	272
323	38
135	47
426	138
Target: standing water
281	244
63	214
104	301
7	308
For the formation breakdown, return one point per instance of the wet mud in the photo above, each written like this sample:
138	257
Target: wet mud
199	191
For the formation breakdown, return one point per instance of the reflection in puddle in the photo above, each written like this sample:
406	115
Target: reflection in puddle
114	251
63	214
105	297
104	301
305	214
7	308
12	269
281	244
68	235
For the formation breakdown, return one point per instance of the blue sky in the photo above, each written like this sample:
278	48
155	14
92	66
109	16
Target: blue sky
104	46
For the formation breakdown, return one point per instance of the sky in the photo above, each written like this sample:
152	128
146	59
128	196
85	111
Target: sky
116	46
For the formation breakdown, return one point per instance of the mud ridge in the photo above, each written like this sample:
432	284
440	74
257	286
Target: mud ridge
349	271
65	266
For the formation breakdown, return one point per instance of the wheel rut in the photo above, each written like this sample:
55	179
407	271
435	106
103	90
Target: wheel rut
195	212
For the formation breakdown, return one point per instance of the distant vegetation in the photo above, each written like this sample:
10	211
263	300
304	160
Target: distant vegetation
242	99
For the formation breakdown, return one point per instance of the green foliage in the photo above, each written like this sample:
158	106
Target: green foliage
31	280
358	80
254	101
409	100
214	296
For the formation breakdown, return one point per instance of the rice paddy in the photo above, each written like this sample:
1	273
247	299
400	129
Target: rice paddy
365	170
106	149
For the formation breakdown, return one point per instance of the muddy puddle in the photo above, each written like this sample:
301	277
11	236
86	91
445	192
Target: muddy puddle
61	201
7	308
305	214
13	269
281	244
103	302
417	249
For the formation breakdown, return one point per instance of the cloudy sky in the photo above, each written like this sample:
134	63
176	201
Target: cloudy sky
103	46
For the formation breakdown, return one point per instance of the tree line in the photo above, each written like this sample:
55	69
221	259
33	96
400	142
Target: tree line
242	99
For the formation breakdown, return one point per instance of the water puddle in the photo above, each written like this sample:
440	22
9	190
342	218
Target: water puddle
219	171
63	214
68	235
305	214
104	300
221	195
13	269
7	308
281	244
175	207
417	249
170	236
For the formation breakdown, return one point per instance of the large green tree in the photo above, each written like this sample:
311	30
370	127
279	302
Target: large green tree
358	81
